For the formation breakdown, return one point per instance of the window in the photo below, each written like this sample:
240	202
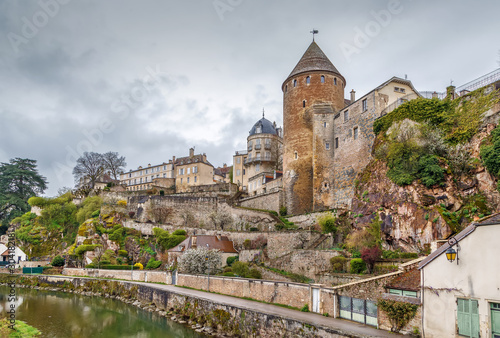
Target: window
188	171
467	317
238	172
238	161
243	172
495	319
403	293
336	142
195	170
295	83
296	155
140	180
308	80
188	179
327	145
164	167
335	81
304	104
147	171
322	79
257	167
365	105
258	130
195	179
324	124
181	180
355	133
346	116
164	175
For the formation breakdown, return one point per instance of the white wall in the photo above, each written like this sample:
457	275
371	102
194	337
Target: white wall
477	276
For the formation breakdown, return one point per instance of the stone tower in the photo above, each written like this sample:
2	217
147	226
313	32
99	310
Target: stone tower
312	94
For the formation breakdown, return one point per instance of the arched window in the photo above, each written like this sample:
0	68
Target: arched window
304	104
296	155
322	79
308	80
295	83
335	81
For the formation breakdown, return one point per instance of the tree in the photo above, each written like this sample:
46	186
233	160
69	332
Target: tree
19	180
198	261
370	256
114	164
277	155
89	167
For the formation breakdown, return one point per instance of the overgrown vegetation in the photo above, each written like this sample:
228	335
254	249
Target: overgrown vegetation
243	270
166	240
399	313
490	153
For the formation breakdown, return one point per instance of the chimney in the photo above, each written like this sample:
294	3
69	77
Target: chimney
224	165
193	242
149	164
353	96
191	152
173	159
434	95
204	157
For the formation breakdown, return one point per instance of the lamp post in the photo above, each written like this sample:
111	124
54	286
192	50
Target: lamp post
451	254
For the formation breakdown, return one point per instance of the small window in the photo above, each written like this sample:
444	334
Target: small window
195	179
295	83
346	116
324	124
335	81
355	133
365	105
257	167
238	172
336	142
304	104
188	170
327	145
295	155
322	79
243	172
238	160
308	80
181	180
188	179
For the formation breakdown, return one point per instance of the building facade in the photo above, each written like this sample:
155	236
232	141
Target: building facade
192	170
143	178
461	298
327	139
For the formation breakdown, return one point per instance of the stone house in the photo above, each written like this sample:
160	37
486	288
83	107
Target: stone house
461	297
192	170
211	242
144	178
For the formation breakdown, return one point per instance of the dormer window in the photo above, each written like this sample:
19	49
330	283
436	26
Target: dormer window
258	130
308	80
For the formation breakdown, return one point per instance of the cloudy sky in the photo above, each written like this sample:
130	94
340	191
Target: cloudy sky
149	79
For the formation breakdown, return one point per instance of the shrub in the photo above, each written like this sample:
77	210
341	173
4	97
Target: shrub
139	266
399	313
254	229
255	274
357	265
122	203
57	261
179	232
247	244
305	308
200	260
231	260
327	223
81	249
338	264
90	205
131	214
240	268
283	211
429	171
227	269
123	253
491	153
153	264
162	192
228	274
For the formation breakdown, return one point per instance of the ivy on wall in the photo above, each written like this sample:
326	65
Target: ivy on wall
399	313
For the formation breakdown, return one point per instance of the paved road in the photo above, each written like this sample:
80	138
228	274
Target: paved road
356	329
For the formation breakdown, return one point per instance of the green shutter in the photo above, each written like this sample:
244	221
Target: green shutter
495	320
468	318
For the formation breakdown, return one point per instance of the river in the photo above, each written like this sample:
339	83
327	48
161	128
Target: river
57	314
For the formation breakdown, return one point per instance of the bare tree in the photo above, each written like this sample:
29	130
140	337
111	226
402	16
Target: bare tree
160	213
220	219
89	167
277	155
114	163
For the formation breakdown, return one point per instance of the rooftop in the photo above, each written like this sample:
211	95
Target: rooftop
221	243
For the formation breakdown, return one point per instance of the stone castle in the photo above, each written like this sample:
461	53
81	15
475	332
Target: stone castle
328	139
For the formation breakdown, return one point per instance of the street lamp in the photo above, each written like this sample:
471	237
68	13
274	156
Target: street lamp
451	254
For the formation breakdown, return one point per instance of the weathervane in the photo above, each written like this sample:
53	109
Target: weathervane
262	112
314	31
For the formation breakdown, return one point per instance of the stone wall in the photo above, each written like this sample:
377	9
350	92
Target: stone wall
135	275
33	264
225	318
267	201
280	244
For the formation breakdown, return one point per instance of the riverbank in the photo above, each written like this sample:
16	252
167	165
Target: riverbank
212	314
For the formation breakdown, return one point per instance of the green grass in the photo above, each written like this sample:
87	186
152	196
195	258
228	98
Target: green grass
21	330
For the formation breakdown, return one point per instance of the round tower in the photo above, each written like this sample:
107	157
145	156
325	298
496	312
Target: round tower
314	80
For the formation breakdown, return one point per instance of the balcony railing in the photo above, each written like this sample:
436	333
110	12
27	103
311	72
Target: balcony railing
258	159
257	147
267	146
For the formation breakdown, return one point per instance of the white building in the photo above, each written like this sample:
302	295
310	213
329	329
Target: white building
19	256
462	298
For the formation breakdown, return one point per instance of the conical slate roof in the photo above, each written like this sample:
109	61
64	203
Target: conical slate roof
312	60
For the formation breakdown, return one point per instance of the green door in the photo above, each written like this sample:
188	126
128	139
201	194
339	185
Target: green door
468	318
495	320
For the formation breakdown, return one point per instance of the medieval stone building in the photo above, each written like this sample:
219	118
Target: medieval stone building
328	139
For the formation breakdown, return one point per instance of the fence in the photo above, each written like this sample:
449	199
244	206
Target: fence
31	271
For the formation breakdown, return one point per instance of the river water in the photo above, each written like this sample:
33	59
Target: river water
57	314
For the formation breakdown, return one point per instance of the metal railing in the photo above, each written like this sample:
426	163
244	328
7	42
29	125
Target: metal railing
482	81
398	102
